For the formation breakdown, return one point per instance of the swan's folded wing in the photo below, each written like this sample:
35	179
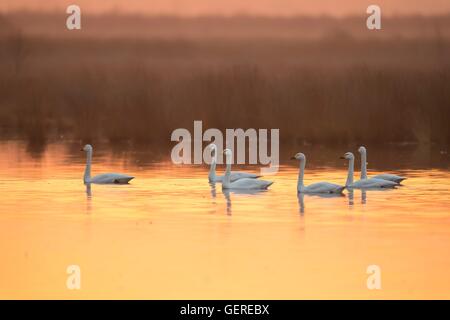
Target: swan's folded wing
247	183
390	177
112	178
373	183
324	187
237	175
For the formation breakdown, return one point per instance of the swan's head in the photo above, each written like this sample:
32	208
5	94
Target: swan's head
213	148
87	148
227	152
228	156
348	156
362	149
299	156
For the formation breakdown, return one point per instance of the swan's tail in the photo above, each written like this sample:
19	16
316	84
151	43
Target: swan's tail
400	180
124	180
269	183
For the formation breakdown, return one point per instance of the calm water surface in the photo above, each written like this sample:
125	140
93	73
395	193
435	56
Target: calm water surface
170	235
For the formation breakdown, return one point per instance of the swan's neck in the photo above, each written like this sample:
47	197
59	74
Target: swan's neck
87	170
364	165
227	177
212	169
301	172
351	168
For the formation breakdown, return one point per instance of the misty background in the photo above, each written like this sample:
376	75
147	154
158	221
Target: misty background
132	79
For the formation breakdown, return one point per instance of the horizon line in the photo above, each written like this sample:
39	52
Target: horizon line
115	13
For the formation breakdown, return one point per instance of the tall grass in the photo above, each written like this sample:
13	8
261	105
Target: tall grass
329	90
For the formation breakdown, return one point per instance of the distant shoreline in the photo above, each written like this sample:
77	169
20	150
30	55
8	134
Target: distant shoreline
219	26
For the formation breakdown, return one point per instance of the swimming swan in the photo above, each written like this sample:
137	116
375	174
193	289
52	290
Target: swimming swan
101	178
235	175
319	187
385	176
243	183
363	183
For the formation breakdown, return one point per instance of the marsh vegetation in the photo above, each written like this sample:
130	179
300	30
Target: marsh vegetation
320	80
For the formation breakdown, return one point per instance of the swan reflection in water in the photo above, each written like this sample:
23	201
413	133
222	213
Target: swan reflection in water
227	194
351	196
88	191
88	198
364	192
213	189
301	198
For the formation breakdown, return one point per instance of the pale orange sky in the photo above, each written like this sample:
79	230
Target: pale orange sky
228	7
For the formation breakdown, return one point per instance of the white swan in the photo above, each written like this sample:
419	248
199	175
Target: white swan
385	176
101	178
318	187
243	183
363	183
235	175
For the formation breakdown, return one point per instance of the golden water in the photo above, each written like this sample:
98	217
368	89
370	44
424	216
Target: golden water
169	235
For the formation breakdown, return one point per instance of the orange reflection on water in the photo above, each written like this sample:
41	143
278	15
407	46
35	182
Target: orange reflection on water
170	235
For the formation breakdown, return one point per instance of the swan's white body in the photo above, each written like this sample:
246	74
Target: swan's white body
110	178
105	178
234	175
318	187
321	187
385	176
372	183
243	183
